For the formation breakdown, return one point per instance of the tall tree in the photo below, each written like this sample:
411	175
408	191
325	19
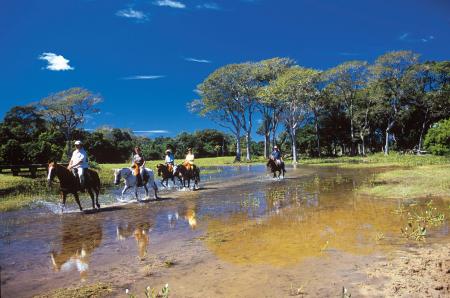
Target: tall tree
268	105
67	110
228	98
391	87
295	87
344	81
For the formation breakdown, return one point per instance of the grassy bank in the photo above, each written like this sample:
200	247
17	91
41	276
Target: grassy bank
416	182
416	176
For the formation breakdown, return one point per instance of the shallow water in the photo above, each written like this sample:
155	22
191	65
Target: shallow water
242	229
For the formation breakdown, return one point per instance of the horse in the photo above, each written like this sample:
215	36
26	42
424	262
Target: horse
163	171
274	168
131	181
69	183
188	174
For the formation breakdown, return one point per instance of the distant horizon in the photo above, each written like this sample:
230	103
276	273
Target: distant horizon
146	59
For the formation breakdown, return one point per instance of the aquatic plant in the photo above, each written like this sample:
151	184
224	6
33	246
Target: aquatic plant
152	292
419	220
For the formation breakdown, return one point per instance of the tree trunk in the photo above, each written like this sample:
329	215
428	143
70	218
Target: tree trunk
266	145
238	148
294	147
363	146
248	138
422	132
386	145
316	124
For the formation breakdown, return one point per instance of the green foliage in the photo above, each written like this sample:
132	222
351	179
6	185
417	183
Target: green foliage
437	139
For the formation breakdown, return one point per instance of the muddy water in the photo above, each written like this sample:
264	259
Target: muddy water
242	234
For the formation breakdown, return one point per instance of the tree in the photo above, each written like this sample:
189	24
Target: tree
270	108
228	98
295	87
66	110
391	87
343	82
430	94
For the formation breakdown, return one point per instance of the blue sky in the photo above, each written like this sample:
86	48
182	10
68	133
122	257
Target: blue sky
145	57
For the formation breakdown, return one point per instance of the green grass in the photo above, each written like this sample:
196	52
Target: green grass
417	182
378	160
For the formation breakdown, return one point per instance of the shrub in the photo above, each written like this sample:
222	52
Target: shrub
437	140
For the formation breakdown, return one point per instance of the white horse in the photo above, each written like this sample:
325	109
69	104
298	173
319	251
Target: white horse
131	181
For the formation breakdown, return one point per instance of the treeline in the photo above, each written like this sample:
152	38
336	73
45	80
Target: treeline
26	137
354	108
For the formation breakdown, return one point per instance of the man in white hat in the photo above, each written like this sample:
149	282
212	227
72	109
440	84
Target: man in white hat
276	155
79	162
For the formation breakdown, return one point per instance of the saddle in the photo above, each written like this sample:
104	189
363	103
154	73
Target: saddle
188	166
170	167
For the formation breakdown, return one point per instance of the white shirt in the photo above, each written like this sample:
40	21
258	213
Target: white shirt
78	155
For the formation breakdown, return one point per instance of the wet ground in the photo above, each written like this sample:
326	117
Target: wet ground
243	234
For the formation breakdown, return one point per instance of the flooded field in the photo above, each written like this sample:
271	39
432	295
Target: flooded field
242	234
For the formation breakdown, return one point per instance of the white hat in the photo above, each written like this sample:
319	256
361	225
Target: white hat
78	142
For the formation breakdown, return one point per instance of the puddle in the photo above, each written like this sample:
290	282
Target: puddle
242	230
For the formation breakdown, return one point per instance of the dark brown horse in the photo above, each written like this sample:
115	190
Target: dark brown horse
68	183
166	174
188	174
274	168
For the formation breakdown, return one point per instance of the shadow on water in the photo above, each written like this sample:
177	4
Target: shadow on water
240	215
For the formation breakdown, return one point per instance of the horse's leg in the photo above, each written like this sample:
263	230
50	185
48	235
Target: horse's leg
63	199
136	192
97	191
146	190
91	194
77	199
125	189
155	188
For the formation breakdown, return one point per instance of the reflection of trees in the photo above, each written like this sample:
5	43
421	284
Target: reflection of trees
78	242
140	231
299	232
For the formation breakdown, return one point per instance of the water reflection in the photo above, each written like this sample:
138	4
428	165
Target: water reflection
77	243
304	219
187	212
140	230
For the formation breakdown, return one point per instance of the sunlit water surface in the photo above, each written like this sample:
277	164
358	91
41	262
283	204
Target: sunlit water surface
240	216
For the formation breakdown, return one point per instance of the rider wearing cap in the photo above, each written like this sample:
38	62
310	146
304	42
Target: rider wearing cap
79	163
170	160
276	155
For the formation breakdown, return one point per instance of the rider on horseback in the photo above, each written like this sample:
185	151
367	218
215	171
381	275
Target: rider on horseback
170	160
79	163
276	155
189	160
138	163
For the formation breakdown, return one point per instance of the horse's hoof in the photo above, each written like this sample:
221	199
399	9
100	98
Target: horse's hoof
98	206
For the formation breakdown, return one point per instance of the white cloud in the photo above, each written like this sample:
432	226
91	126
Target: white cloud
151	131
210	5
407	37
197	60
143	77
170	3
56	62
132	14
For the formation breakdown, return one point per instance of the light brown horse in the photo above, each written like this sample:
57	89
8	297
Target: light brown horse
68	183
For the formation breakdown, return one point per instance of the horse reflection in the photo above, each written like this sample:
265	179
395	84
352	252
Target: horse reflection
78	242
187	212
139	231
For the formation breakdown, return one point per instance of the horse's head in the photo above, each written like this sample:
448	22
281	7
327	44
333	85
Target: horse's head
52	166
117	176
270	162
